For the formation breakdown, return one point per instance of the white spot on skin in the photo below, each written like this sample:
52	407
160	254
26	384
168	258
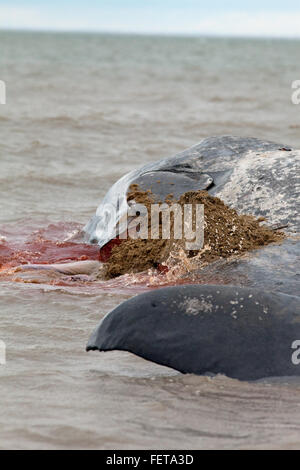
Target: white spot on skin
194	306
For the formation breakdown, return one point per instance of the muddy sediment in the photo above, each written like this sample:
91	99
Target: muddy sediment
226	234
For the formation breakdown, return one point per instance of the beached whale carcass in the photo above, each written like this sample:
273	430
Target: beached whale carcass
249	329
253	176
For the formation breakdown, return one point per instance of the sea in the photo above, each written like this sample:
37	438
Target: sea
81	111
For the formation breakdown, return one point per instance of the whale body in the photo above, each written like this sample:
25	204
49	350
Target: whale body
247	334
253	176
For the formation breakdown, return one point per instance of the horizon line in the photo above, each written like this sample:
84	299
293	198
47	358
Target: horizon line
194	34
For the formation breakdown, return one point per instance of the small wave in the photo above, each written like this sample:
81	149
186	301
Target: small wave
60	120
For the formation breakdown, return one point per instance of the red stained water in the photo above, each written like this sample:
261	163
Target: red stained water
41	249
51	244
43	246
45	252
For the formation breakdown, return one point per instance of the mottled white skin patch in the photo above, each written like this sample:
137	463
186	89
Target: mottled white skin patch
88	267
203	304
266	184
194	305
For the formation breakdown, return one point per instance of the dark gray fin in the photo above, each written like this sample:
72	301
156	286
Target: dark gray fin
243	333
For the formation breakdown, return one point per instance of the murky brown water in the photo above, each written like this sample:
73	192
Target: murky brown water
81	111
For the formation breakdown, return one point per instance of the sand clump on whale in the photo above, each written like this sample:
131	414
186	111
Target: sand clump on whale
226	234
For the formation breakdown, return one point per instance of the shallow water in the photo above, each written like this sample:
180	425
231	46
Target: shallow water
81	111
54	395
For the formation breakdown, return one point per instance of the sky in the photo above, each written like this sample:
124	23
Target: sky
269	18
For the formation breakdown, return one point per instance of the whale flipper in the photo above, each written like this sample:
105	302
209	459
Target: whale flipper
243	333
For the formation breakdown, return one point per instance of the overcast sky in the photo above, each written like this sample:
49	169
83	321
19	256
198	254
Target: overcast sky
275	18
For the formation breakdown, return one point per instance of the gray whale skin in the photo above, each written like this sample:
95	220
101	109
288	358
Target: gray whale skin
248	328
243	333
